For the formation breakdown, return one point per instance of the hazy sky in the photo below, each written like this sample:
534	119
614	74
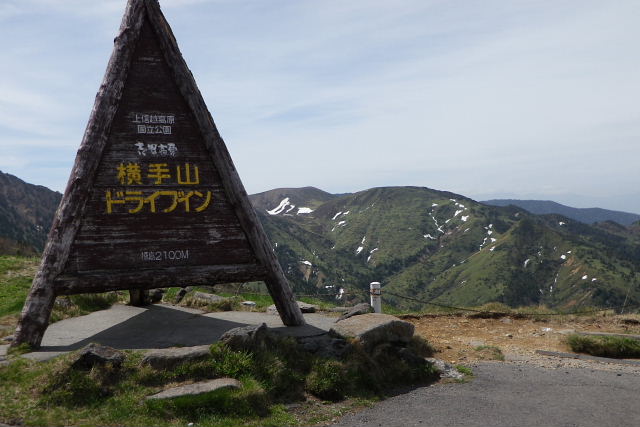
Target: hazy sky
489	99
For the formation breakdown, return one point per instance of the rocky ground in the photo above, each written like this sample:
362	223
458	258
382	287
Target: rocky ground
466	340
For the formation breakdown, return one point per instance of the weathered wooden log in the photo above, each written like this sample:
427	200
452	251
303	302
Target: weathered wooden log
37	309
276	281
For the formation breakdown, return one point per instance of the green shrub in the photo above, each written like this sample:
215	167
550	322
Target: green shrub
223	362
421	347
282	369
72	387
465	370
328	380
604	346
491	352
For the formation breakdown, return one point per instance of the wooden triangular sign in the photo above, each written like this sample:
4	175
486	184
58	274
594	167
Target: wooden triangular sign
153	199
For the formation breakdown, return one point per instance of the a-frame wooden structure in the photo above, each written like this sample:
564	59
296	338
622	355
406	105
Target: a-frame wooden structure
153	199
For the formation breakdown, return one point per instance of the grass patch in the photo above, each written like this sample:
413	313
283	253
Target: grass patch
490	352
604	346
16	275
274	374
464	370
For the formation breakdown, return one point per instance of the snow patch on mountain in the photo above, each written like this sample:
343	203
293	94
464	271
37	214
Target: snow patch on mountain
304	211
281	207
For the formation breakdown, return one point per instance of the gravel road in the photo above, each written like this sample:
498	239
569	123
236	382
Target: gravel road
508	394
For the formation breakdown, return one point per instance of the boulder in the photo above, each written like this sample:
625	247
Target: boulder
338	309
446	370
181	293
356	310
246	337
208	298
168	358
304	307
155	295
63	302
325	345
197	388
97	354
374	328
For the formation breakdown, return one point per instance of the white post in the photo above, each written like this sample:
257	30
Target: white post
376	297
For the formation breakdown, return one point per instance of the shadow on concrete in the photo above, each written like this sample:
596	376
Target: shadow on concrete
157	327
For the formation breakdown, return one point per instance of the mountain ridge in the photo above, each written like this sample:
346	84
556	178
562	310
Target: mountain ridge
429	245
436	245
26	214
586	215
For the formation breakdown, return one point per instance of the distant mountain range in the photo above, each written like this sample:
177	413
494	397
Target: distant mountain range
420	243
26	213
438	246
586	215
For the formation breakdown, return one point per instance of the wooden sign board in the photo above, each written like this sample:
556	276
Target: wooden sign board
153	199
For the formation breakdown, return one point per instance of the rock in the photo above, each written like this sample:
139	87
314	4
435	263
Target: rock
506	320
446	370
374	328
325	346
155	295
362	308
508	335
304	307
208	298
63	302
248	303
181	293
170	357
339	309
197	388
97	354
246	337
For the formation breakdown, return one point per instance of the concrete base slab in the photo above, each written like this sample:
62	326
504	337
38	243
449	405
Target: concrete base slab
160	326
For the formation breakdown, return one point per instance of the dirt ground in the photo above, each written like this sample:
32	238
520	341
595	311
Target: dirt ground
464	339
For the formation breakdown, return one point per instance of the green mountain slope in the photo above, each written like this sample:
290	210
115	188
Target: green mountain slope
442	247
26	213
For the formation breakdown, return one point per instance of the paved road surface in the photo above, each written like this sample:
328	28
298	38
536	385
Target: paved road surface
159	326
505	394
